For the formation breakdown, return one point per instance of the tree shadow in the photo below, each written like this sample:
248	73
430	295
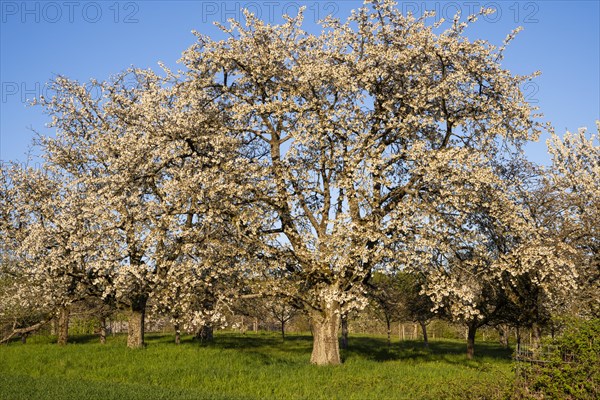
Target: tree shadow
265	344
83	339
269	348
452	352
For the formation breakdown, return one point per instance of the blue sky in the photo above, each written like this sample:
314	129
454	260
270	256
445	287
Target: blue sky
94	39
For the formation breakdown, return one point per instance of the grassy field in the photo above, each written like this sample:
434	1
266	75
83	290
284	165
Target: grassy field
251	366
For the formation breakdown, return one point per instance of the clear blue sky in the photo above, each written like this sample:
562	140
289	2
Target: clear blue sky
85	39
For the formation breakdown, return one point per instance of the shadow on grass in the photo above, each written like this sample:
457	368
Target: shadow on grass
269	348
300	343
83	339
453	352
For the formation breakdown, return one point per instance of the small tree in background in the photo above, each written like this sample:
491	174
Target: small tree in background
399	297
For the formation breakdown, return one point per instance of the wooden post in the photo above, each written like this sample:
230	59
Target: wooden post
530	337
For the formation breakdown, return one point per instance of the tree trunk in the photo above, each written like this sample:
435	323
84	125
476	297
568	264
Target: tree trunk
177	334
205	333
518	338
102	330
23	331
283	329
63	326
503	332
325	327
425	338
344	343
135	327
536	337
389	331
472	330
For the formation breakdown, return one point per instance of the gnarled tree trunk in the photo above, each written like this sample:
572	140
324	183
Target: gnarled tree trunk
325	326
23	331
136	320
63	326
471	331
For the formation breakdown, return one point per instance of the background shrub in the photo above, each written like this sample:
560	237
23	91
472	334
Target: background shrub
567	367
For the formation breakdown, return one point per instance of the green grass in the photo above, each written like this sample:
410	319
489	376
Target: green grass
251	366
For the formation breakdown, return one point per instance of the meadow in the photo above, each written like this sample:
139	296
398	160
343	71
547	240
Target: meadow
248	366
